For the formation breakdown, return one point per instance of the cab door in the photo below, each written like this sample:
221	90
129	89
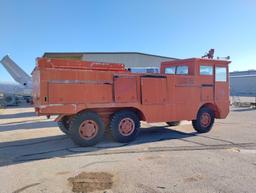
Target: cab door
206	82
186	94
221	89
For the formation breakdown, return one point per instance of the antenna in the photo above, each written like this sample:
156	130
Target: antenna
223	58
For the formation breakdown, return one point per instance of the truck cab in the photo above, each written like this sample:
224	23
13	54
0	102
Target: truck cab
199	81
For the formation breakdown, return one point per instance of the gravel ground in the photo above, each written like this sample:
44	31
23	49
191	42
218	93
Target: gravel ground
36	157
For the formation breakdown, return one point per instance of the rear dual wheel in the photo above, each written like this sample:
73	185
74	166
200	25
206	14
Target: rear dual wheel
125	126
86	129
64	125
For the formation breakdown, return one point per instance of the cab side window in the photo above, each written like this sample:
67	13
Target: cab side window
221	74
206	70
182	70
170	70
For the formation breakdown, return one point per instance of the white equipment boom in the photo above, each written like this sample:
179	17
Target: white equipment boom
16	72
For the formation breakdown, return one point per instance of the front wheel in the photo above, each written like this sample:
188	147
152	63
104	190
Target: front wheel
204	120
86	129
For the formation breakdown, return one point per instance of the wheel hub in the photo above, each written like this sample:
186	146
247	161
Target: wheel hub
88	129
126	126
205	119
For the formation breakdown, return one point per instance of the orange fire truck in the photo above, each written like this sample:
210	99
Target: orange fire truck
91	97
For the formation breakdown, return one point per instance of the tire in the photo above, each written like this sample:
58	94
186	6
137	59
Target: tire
86	129
125	126
10	100
173	123
64	125
204	121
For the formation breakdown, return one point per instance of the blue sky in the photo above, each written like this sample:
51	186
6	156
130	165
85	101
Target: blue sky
175	28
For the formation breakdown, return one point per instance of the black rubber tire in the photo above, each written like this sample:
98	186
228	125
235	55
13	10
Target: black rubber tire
197	123
173	123
114	126
64	125
75	123
10	100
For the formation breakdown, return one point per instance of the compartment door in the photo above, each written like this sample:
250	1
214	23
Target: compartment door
125	89
154	90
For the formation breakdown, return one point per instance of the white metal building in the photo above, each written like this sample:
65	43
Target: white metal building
243	83
129	59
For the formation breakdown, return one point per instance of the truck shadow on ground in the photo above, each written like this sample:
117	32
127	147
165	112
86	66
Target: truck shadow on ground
23	125
20	105
244	109
17	115
27	150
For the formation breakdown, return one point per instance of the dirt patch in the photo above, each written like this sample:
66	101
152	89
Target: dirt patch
91	181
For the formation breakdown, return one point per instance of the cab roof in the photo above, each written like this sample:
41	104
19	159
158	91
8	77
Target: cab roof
199	60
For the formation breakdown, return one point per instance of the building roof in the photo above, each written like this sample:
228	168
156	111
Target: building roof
78	55
243	73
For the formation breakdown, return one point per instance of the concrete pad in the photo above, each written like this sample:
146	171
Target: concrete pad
36	157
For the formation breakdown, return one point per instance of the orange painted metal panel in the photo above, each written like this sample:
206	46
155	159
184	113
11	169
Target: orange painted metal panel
78	64
154	90
207	93
82	93
187	101
125	89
